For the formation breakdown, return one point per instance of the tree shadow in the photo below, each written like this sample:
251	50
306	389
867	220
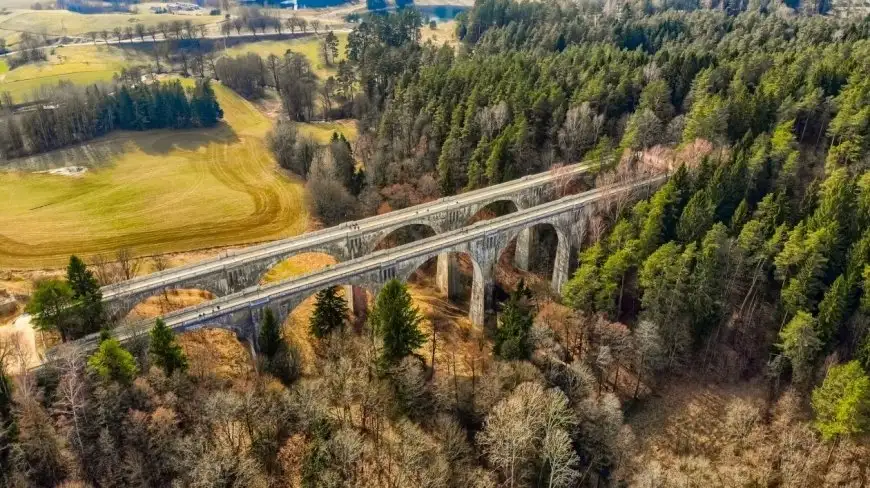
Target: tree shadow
165	141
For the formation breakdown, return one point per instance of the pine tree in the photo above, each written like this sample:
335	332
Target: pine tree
206	110
164	349
515	322
800	343
833	309
86	295
396	321
842	402
330	312
113	363
270	334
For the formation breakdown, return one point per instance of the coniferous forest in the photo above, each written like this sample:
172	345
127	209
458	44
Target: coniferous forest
72	115
749	268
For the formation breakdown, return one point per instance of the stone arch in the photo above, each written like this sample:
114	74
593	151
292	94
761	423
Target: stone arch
296	264
543	248
160	302
494	209
447	264
402	235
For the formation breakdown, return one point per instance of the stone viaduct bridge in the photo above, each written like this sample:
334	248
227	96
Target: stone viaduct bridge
484	242
234	272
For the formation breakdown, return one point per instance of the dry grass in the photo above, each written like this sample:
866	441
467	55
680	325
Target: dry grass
444	32
172	300
157	191
81	65
321	132
307	46
216	352
297	265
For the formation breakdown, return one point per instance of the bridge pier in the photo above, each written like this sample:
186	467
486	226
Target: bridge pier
562	264
525	248
447	275
481	301
357	301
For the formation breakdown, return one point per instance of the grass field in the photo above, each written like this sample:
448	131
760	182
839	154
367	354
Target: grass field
66	23
82	65
307	46
88	63
321	132
443	32
156	191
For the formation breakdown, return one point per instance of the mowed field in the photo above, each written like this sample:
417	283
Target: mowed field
155	191
72	24
82	65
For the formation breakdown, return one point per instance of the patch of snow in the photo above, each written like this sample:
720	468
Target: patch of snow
73	171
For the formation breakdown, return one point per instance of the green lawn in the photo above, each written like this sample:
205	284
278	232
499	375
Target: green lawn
308	46
155	191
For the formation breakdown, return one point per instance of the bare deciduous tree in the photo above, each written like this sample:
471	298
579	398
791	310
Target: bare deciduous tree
128	264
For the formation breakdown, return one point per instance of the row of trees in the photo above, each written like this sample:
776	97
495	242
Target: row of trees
292	77
71	116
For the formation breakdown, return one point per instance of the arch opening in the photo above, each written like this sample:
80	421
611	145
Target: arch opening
532	252
167	301
449	291
498	208
296	265
405	235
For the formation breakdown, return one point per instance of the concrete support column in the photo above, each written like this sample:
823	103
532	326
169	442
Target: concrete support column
357	302
561	266
525	250
481	299
447	275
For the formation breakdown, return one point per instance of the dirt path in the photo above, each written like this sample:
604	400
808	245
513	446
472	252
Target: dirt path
21	336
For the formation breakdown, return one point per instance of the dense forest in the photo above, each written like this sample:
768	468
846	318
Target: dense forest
73	115
751	263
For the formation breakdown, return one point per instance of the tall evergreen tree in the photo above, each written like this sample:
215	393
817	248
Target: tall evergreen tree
515	322
206	110
396	321
270	339
165	350
87	298
330	312
842	402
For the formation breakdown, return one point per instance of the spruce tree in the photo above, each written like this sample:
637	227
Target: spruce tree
330	312
270	335
397	322
113	363
842	402
515	322
87	297
164	349
205	107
